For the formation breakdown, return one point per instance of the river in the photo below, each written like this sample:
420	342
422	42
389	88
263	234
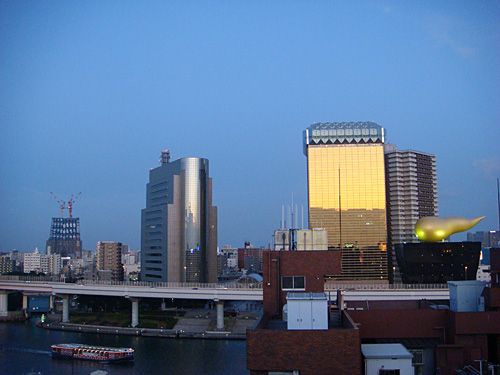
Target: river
25	347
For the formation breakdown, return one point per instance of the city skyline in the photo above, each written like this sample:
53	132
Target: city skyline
92	93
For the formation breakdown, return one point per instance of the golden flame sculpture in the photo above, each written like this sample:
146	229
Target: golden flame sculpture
433	229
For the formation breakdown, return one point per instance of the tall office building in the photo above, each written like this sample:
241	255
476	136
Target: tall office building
109	258
179	223
346	191
65	237
411	181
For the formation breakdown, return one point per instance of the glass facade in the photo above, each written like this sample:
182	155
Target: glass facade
177	228
346	188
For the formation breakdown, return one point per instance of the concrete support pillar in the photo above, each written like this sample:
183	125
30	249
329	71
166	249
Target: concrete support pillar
25	302
51	303
135	311
220	314
4	303
65	313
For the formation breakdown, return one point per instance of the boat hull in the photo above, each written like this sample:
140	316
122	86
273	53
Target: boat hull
92	353
95	359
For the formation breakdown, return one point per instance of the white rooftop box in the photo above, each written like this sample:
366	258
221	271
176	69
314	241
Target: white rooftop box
307	311
387	359
465	295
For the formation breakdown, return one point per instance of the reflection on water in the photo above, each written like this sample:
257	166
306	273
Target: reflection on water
25	348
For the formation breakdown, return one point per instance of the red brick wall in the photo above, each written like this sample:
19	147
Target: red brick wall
310	352
314	265
494	298
388	305
465	334
448	358
386	324
470	323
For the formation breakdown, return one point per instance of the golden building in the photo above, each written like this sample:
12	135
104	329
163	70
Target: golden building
346	188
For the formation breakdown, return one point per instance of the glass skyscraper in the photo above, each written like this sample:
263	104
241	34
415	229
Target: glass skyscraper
346	191
179	223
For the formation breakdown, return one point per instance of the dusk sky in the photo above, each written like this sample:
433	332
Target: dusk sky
92	91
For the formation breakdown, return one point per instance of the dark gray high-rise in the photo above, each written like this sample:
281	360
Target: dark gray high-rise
179	223
65	237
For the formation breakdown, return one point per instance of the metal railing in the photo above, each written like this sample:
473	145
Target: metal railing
356	286
173	284
30	278
62	279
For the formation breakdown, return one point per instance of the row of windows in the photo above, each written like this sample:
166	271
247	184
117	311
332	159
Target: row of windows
159	184
153	212
154	276
158	198
159	191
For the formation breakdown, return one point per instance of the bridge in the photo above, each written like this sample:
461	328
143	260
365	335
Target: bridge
218	293
133	291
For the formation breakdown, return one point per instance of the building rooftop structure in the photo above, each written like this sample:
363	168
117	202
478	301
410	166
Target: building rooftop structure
385	351
343	132
440	340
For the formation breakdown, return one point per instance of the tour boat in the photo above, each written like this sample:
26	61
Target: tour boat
93	353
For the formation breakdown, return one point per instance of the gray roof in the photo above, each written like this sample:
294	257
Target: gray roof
380	351
305	296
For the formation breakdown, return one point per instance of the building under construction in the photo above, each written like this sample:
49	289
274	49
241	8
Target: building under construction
65	232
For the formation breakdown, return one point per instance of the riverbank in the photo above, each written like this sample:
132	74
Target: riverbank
197	324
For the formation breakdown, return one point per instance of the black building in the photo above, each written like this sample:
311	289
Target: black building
437	262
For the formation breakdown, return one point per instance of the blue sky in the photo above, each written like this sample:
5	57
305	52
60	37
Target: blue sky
92	91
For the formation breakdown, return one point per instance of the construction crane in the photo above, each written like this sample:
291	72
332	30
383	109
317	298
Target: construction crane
62	204
71	201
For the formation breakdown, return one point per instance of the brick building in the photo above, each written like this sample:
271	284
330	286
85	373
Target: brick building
441	340
109	260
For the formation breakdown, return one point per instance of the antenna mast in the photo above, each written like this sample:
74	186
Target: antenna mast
165	157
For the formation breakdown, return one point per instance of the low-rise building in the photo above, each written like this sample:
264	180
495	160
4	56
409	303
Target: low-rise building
442	337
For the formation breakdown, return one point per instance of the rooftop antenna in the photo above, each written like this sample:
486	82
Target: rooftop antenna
165	157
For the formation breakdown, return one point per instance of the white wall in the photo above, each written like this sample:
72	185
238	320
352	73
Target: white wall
372	366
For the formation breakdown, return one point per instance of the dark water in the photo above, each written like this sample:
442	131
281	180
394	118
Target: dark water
25	347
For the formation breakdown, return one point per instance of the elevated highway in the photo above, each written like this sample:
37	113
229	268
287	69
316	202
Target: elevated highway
218	293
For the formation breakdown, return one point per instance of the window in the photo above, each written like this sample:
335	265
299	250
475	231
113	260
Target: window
293	283
418	357
388	372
